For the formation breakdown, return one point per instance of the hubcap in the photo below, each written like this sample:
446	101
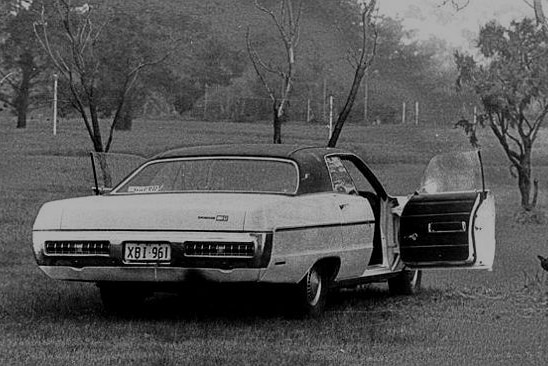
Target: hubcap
313	287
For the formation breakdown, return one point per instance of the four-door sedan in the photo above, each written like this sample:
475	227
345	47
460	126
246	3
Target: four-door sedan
307	217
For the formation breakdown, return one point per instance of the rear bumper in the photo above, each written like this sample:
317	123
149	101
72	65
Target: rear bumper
109	264
151	274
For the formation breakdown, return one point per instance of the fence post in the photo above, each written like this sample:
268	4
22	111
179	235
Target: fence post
55	83
330	116
475	115
205	102
324	98
366	97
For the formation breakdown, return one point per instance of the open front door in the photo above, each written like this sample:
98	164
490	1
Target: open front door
450	222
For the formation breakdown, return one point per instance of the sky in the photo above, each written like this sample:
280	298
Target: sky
458	28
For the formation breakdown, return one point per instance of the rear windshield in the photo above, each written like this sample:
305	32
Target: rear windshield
213	174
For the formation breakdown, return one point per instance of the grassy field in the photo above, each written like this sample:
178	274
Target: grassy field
461	317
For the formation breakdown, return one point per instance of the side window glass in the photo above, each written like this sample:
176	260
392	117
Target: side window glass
360	181
340	179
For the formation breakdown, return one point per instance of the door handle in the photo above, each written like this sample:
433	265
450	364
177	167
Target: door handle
342	206
447	227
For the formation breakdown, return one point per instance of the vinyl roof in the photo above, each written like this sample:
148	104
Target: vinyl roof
259	150
314	176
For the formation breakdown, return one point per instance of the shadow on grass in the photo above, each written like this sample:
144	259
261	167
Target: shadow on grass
235	303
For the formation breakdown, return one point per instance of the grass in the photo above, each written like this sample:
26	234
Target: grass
462	317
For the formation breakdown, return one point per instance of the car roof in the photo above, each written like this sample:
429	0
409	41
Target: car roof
289	151
313	173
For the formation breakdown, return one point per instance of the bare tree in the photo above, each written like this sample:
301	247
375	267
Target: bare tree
540	16
361	60
70	36
287	22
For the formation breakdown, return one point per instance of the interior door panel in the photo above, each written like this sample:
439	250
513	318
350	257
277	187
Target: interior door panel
438	230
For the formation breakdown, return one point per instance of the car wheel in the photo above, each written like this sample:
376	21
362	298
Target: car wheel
121	298
313	290
407	282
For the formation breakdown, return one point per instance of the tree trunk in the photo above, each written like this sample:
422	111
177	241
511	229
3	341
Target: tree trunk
524	183
125	118
277	123
524	180
26	63
22	107
341	119
22	101
105	169
97	139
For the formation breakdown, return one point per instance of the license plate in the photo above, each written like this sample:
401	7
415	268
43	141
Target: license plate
147	252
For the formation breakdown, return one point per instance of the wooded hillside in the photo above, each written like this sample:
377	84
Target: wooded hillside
209	75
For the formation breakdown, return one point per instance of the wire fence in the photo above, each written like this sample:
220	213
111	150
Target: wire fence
371	107
249	109
312	105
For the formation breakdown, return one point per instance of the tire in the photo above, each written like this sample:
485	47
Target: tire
122	298
312	292
407	282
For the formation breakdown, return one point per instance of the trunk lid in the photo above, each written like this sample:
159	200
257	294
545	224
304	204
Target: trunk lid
188	211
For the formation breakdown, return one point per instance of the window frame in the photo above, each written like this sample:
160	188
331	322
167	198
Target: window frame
347	190
115	190
363	169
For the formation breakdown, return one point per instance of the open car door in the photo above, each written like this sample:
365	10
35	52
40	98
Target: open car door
450	221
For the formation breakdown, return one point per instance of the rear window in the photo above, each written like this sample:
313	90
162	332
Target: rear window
213	174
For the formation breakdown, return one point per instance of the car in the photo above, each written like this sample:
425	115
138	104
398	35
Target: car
307	218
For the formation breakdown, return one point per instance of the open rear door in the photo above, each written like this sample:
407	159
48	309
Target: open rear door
450	221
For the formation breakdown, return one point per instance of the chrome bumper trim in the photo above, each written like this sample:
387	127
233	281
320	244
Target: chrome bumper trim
151	274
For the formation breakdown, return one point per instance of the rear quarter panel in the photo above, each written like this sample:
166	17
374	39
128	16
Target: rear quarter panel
307	229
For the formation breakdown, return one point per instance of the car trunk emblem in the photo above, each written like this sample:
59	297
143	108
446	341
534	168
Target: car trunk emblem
222	218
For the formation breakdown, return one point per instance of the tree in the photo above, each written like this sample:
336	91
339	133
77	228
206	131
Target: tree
287	22
82	41
540	17
213	64
22	59
513	88
361	57
143	32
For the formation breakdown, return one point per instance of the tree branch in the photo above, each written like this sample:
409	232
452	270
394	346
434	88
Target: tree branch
365	60
5	98
297	26
538	123
458	5
499	133
273	16
254	60
130	80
